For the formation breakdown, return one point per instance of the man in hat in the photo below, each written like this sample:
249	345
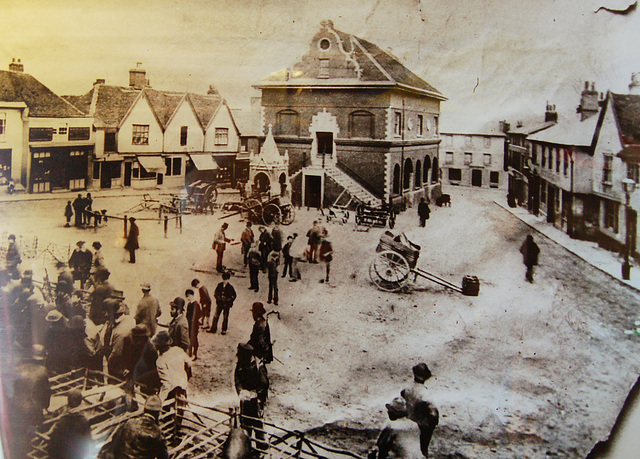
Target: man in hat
98	258
252	386
122	328
148	309
273	260
419	409
194	317
78	208
131	351
174	368
326	256
56	342
205	301
313	238
102	290
530	253
65	279
80	263
423	212
225	295
246	239
13	258
179	326
260	338
140	437
254	259
132	240
70	437
400	438
265	245
219	244
68	213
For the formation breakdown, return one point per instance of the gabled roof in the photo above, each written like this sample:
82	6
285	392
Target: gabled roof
626	108
106	103
163	103
205	106
366	64
42	102
572	132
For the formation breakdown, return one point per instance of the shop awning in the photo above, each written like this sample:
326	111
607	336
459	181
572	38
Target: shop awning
204	162
152	164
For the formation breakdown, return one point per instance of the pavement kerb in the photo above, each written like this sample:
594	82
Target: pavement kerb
549	237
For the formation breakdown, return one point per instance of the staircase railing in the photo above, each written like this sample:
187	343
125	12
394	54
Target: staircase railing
359	178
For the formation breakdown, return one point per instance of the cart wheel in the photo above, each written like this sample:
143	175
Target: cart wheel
288	215
358	219
271	214
212	193
392	219
252	210
389	270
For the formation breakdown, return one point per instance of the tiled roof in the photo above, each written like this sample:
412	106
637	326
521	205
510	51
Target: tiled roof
42	102
248	122
572	132
375	64
205	106
627	110
164	103
82	103
112	103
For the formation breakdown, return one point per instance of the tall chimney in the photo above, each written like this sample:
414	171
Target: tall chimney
634	86
99	81
550	115
138	77
16	66
588	101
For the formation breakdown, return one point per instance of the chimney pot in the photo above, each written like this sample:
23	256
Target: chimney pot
634	86
137	77
16	66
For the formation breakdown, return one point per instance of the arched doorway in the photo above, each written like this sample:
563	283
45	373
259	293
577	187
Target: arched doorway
261	183
435	173
418	177
396	179
408	171
427	166
282	180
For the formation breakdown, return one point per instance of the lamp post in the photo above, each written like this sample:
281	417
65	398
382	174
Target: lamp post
629	186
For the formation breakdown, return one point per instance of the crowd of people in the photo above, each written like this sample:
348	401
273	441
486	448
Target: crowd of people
82	210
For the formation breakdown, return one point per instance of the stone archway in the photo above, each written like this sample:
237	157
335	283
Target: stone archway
261	183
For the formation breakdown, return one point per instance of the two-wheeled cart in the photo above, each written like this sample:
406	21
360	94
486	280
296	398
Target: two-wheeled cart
395	263
264	209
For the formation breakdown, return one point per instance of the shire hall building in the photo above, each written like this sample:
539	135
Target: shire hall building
354	122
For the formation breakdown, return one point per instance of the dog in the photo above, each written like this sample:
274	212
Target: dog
443	200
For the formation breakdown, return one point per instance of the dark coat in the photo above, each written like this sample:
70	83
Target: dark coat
132	238
260	340
276	235
423	210
68	212
69	437
225	295
205	299
179	332
80	262
530	252
139	438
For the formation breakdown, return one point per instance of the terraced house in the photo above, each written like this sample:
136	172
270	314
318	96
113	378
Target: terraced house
354	121
45	142
147	138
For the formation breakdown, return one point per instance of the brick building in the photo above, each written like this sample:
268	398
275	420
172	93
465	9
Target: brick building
352	117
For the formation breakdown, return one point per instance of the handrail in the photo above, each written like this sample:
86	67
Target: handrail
358	178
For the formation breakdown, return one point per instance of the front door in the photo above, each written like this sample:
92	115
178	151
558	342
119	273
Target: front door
476	177
160	179
127	173
312	190
105	174
551	204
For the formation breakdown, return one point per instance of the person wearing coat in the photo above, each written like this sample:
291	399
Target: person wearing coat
68	213
78	209
80	263
132	240
225	295
148	310
530	252
179	326
219	245
423	212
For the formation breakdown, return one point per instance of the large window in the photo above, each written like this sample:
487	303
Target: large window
487	159
287	123
426	167
418	175
494	179
448	158
468	158
567	156
110	141
396	179
633	172
455	175
408	170
435	172
40	134
3	123
420	125
361	124
174	166
79	133
558	158
140	134
611	215
222	136
183	135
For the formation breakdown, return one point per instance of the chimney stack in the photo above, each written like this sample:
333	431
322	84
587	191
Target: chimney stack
99	81
16	66
212	90
634	86
551	115
588	101
138	77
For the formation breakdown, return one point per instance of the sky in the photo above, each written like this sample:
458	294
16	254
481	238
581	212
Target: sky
492	59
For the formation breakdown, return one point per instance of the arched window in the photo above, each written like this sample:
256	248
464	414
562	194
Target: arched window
418	176
427	166
396	179
287	123
361	124
434	172
408	170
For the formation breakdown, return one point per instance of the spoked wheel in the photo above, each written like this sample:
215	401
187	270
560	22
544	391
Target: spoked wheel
389	271
288	215
271	214
211	193
252	210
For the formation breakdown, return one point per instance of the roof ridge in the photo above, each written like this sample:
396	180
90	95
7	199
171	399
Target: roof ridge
372	59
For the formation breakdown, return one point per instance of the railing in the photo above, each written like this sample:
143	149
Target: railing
358	178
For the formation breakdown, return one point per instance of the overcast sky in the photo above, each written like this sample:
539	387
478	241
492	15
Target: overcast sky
493	59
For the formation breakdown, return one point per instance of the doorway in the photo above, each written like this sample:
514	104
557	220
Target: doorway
127	173
312	190
325	143
476	177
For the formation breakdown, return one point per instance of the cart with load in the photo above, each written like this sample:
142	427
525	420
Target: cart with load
394	266
369	216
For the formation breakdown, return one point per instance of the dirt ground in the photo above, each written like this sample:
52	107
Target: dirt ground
522	370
